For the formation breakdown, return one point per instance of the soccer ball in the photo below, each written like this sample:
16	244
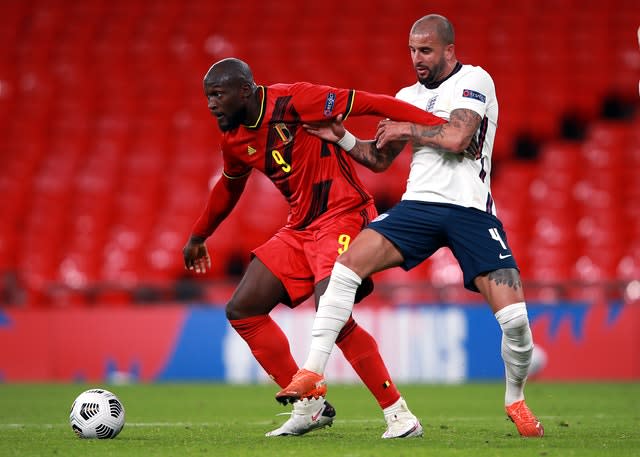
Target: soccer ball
97	413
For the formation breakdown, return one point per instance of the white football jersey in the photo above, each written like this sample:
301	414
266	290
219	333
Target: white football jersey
443	177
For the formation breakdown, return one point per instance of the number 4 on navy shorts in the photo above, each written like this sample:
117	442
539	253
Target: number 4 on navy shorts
418	229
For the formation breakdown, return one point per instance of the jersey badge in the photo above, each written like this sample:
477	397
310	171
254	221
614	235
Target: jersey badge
284	133
250	150
468	93
431	103
329	104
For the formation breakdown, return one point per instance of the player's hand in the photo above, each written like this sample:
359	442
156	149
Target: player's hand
196	256
473	150
390	131
331	131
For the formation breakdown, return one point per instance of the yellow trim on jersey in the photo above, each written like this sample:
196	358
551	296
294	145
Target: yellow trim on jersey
350	107
263	103
236	177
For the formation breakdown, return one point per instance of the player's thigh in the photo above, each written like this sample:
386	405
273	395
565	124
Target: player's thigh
258	293
332	239
369	253
500	288
285	257
405	236
336	238
479	243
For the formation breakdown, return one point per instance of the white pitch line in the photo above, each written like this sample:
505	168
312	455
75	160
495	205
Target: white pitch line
427	420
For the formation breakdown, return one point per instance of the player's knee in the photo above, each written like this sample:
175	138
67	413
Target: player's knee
232	312
514	322
346	259
365	289
237	310
349	326
517	341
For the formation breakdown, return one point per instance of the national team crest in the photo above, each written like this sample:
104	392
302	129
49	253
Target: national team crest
431	104
284	133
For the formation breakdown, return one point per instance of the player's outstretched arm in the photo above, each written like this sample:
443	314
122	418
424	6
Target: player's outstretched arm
364	152
376	159
454	136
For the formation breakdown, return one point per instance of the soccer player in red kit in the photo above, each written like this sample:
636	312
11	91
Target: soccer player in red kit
328	205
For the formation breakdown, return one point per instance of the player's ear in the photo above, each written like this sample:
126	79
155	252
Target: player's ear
450	51
246	90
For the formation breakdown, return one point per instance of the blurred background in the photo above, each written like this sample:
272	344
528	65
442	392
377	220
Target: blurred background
107	152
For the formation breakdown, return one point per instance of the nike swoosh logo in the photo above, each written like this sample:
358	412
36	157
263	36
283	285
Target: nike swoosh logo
500	256
315	417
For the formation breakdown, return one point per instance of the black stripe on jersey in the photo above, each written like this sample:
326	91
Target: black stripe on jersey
348	173
324	150
272	169
319	202
365	218
280	108
482	135
352	94
489	204
483	172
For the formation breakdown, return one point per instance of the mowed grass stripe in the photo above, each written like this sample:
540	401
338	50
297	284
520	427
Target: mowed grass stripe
589	419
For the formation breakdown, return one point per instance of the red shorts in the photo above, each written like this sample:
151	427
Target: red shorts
302	258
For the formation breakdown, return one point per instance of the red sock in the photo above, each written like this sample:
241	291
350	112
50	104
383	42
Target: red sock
269	345
361	350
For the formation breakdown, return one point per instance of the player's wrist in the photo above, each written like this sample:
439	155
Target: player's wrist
348	141
197	239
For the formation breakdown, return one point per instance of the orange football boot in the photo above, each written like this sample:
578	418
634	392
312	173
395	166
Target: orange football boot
527	424
305	384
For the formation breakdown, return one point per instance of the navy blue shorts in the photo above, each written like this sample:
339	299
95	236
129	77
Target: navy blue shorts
418	229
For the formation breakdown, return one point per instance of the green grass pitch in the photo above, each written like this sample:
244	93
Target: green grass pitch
179	420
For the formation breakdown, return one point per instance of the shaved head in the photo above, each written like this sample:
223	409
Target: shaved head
435	24
432	47
232	94
229	72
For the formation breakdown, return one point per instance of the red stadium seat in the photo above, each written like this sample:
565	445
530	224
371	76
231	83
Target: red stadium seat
108	146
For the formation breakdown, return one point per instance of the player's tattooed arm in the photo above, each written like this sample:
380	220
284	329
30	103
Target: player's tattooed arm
366	153
455	136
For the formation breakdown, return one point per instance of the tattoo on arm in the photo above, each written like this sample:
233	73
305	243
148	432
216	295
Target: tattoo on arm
506	276
463	124
366	153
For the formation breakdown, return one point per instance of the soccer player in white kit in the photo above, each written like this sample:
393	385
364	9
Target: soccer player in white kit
447	203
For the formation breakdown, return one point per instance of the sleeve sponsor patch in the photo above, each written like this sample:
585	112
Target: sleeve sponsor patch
329	104
468	93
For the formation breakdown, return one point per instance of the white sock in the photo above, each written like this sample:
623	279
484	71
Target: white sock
517	346
334	310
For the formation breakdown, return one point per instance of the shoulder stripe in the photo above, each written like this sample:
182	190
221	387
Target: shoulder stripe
352	96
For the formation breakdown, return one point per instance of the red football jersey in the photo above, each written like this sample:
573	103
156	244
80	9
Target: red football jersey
317	178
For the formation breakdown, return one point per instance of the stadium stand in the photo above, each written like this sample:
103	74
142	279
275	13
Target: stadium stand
108	149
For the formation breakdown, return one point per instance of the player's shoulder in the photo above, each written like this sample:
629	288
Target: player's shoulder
409	92
474	71
289	87
279	87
